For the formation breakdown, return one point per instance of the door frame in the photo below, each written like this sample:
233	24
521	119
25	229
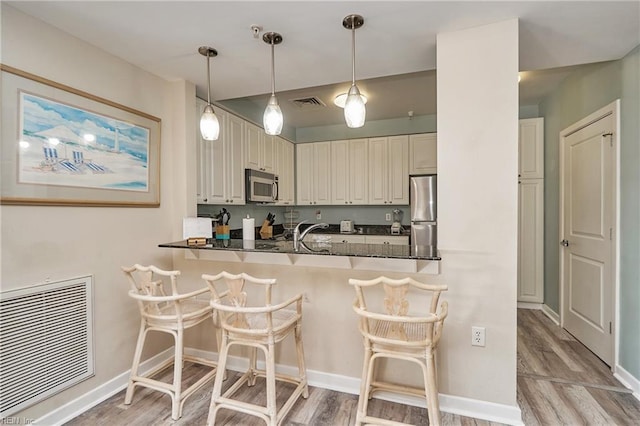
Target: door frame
612	109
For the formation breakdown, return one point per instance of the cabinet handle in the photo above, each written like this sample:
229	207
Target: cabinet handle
205	200
346	202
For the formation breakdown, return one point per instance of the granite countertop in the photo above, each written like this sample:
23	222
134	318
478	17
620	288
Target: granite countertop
317	248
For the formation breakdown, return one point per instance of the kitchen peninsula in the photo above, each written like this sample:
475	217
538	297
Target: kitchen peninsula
380	257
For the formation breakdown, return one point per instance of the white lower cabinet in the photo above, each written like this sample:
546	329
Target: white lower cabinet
531	240
401	240
335	238
361	239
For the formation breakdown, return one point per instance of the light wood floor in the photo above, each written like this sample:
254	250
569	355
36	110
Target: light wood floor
559	383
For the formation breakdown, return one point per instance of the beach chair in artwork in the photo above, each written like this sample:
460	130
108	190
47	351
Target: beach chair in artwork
78	159
50	156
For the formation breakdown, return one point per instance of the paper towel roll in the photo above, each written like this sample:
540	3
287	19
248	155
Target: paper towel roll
248	228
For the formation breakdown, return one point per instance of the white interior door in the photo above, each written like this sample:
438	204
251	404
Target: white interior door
588	224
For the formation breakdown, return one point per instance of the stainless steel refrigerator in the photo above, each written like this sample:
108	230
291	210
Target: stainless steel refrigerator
423	200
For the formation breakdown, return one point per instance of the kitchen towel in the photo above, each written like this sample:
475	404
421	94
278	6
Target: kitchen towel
248	228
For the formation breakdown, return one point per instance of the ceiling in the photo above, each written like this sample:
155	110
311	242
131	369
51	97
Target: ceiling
396	47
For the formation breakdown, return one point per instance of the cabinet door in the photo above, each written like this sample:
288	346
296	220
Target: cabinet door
289	184
358	171
423	154
340	172
268	153
284	170
398	154
203	154
378	171
218	169
351	239
531	240
304	173
400	240
322	173
235	160
253	146
531	149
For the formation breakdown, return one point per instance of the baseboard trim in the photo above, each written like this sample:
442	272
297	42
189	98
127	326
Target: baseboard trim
529	305
79	405
553	316
475	408
628	380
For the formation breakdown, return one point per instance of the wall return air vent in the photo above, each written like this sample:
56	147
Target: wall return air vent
308	102
46	341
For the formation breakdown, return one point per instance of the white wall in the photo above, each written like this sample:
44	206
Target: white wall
40	243
477	201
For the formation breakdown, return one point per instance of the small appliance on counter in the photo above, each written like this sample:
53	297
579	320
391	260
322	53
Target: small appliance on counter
347	227
396	226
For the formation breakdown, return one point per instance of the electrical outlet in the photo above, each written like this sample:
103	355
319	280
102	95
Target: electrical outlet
318	215
387	217
477	336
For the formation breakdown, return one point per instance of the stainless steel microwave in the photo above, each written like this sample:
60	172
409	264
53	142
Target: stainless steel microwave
261	187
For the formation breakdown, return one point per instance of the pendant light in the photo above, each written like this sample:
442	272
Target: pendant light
209	125
354	109
272	118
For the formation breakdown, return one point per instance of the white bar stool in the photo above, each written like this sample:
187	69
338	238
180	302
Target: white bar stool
171	313
390	331
258	327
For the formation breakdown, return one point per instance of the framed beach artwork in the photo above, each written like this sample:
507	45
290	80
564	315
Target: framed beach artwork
62	146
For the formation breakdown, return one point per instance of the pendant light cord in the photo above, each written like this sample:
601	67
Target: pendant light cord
273	70
353	53
208	80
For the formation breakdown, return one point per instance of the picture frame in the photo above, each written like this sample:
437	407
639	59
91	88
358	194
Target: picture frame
65	147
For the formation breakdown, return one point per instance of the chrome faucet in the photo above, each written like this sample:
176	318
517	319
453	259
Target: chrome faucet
298	236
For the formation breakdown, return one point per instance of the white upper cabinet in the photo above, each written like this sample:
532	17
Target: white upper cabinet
349	177
313	172
235	150
284	169
221	162
389	170
259	149
423	154
531	149
203	159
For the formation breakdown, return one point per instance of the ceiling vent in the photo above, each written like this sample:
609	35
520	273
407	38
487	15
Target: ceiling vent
308	102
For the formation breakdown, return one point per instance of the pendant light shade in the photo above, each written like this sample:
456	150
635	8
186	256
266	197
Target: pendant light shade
209	124
354	109
272	118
